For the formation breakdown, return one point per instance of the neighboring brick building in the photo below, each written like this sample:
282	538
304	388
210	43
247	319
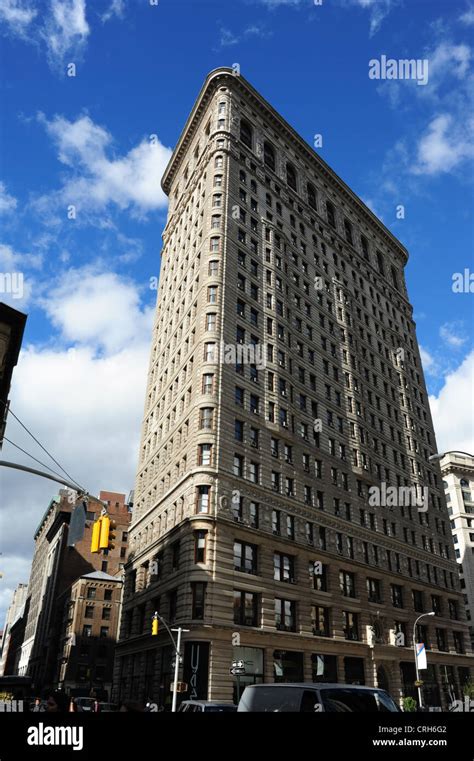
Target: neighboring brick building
284	383
12	326
55	567
88	633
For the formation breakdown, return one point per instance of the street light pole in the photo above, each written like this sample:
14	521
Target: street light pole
431	613
26	469
81	492
177	647
176	667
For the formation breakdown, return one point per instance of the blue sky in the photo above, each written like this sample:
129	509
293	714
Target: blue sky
99	141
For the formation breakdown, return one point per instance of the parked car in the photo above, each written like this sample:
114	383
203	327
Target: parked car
315	697
84	704
108	707
206	706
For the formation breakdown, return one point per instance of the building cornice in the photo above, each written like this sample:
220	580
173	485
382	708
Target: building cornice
225	74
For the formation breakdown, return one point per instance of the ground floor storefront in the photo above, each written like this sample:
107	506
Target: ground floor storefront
144	669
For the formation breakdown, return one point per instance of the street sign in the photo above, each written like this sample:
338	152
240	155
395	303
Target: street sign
180	687
237	671
421	655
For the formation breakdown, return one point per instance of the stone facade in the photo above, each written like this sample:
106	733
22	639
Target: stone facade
457	470
285	381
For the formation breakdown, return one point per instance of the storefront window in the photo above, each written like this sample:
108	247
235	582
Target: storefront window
253	662
324	667
288	666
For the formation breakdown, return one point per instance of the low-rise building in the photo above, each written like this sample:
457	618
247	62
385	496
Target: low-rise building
90	615
457	469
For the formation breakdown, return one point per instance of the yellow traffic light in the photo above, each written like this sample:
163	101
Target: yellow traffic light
95	536
104	532
112	527
154	626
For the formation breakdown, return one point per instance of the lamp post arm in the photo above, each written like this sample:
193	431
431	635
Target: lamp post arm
79	489
160	618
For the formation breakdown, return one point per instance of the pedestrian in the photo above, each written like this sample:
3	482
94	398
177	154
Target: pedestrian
130	706
57	702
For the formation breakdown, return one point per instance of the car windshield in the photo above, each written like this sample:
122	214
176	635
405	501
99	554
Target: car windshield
356	701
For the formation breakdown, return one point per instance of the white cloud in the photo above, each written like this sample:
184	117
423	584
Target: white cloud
11	259
452	409
278	3
98	309
427	360
61	26
97	180
227	38
65	31
116	8
85	406
7	202
444	146
451	333
17	16
467	17
378	10
447	60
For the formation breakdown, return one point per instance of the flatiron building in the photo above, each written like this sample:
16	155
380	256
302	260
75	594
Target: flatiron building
284	384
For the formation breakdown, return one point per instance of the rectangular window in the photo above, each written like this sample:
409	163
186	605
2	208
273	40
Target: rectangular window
245	557
199	599
283	567
347	583
350	625
285	615
206	418
203	493
200	546
254	514
374	590
246	605
320	621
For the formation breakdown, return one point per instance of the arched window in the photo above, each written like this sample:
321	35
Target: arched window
311	195
291	176
246	133
464	483
269	155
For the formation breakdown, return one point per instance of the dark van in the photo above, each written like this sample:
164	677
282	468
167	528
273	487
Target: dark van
316	697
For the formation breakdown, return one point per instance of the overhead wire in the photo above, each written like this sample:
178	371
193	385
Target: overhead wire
10	411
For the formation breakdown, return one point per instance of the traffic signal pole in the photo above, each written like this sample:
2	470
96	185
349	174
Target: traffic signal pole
177	648
16	466
176	670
